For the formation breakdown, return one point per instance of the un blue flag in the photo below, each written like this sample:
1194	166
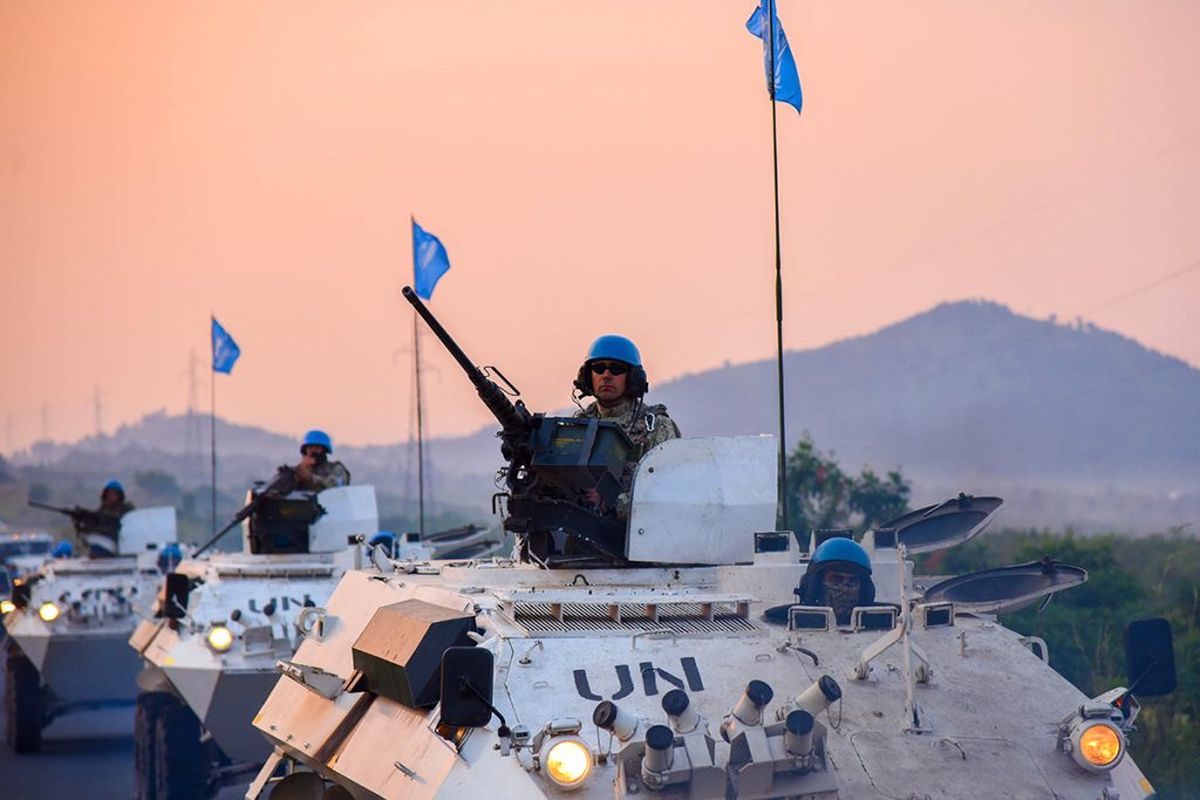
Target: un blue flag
786	83
224	349
430	261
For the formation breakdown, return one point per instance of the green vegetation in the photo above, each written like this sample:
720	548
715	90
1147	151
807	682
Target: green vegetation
823	495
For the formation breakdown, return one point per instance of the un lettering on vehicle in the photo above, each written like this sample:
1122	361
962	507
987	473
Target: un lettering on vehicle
645	676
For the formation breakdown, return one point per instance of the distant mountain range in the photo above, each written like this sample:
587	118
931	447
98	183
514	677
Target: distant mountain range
1073	424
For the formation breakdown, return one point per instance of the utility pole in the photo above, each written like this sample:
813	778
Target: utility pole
98	412
191	424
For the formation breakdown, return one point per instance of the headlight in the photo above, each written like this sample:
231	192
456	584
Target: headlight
1092	738
7	606
48	612
1100	745
220	638
567	763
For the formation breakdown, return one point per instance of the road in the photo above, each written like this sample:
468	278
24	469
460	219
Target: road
83	755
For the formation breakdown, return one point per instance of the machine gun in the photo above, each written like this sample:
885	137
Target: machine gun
274	492
86	520
552	462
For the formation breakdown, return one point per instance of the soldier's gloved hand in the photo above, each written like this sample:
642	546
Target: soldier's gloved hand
304	468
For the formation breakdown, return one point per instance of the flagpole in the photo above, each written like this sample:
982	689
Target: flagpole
420	431
783	498
430	262
212	427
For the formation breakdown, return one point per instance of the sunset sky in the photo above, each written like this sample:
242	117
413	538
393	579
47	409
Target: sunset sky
590	167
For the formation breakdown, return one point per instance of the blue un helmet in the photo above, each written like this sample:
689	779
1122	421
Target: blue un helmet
169	557
317	437
843	552
114	485
385	538
618	348
63	549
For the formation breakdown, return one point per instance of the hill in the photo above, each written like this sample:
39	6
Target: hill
1075	425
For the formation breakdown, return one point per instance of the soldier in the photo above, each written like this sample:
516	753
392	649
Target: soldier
315	471
112	500
614	375
101	538
838	576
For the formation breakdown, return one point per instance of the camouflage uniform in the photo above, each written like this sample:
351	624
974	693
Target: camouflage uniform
115	510
646	426
101	539
325	475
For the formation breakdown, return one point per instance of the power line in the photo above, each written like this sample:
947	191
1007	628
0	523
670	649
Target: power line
1154	284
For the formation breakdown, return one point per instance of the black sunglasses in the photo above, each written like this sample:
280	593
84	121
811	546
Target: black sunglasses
612	368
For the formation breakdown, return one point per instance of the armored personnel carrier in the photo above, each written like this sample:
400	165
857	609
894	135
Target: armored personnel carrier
222	621
669	656
69	624
22	553
6	603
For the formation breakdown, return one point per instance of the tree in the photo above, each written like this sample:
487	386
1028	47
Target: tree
157	483
879	500
817	489
822	495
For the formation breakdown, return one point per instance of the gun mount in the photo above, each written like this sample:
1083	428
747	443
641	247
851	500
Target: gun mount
552	461
275	520
88	525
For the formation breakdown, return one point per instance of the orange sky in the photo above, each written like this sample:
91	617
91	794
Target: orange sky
590	167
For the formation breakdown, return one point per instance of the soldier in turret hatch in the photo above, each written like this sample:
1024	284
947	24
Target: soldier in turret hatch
101	539
838	576
315	471
112	500
613	374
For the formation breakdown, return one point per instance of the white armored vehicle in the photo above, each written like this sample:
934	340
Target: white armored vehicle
69	625
221	623
669	657
21	553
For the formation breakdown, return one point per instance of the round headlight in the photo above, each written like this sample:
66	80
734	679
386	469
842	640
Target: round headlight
48	612
220	638
568	762
7	606
1100	745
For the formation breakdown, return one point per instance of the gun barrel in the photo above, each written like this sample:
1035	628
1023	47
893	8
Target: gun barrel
473	372
514	419
219	534
48	507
